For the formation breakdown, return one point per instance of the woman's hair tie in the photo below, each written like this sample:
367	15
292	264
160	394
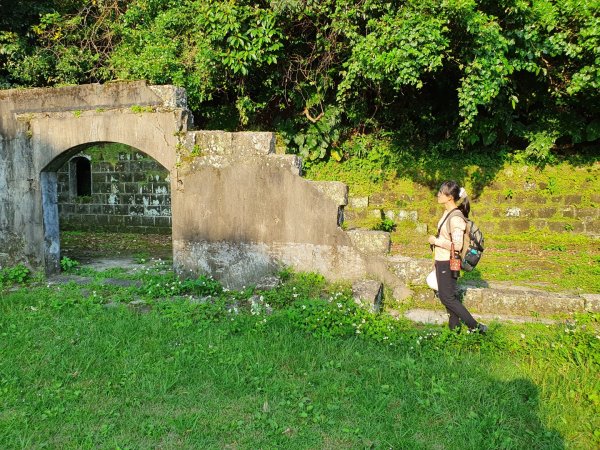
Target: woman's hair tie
462	193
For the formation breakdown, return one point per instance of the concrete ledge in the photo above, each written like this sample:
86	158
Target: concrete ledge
520	300
441	317
224	143
499	299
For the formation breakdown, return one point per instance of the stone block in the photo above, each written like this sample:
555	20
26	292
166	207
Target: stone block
104	166
291	162
513	212
116	220
108	209
377	199
520	225
516	212
353	215
593	227
368	294
254	143
573	199
162	222
421	228
591	302
389	214
587	214
394	313
502	198
137	177
410	270
136	210
377	213
370	242
336	191
102	188
538	199
401	293
546	212
595	198
95	209
520	301
121	210
403	214
101	220
568	212
140	306
557	226
539	224
129	188
98	177
358	202
82	208
519	199
578	227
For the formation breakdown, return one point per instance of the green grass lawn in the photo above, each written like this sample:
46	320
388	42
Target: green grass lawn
81	369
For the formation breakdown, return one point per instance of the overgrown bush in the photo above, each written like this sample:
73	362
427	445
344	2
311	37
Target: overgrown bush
445	74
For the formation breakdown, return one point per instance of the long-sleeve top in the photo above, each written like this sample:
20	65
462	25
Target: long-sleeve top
443	242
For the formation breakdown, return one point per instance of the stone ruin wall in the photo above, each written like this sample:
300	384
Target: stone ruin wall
239	211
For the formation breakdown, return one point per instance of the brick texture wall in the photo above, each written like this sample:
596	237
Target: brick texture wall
130	192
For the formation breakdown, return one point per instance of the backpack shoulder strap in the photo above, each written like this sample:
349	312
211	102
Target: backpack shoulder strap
455	212
445	219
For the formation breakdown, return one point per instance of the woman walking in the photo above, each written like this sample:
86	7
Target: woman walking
451	229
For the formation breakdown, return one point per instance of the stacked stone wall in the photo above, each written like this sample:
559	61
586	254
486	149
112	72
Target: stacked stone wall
131	193
497	210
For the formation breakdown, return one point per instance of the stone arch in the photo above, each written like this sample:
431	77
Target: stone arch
42	128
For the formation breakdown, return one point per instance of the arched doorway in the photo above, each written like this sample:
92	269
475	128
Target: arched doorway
106	200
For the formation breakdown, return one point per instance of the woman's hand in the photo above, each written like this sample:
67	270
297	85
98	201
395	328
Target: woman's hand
431	240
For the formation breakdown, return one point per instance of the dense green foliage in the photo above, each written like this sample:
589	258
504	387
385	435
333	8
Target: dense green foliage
470	74
301	367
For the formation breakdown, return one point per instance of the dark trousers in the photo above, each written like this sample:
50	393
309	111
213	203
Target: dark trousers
448	296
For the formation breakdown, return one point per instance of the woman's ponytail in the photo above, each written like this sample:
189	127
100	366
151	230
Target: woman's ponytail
463	203
459	194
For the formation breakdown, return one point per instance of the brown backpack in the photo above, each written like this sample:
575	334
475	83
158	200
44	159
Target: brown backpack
473	242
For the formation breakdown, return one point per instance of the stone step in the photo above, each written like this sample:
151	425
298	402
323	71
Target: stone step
493	297
335	190
438	317
497	298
